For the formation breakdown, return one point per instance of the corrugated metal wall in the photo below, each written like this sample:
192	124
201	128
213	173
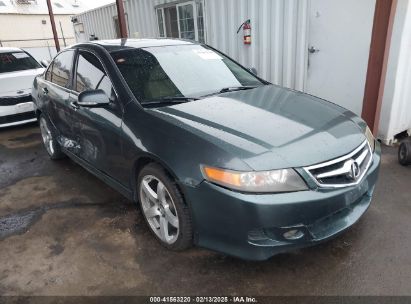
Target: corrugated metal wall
140	18
279	32
279	36
99	22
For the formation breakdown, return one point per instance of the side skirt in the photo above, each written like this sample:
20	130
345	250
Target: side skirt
104	177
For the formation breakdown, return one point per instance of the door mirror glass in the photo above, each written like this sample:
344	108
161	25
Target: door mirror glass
254	71
93	98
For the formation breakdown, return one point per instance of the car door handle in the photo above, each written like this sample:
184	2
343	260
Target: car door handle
45	91
74	105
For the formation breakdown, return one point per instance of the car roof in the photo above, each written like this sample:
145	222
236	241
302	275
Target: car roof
10	49
121	44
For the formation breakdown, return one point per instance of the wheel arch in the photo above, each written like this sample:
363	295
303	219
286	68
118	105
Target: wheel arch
142	161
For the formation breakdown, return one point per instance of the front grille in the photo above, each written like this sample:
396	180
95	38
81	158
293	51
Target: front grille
11	101
17	117
344	171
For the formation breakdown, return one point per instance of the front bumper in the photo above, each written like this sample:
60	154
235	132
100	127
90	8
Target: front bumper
252	226
20	113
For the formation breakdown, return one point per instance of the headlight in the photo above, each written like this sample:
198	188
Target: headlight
370	138
284	180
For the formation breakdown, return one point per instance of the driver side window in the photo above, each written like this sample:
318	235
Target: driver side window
91	75
62	69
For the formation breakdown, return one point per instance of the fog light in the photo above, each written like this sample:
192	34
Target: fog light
293	234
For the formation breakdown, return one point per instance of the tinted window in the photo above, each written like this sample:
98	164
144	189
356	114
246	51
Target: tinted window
48	72
61	71
91	74
17	61
175	71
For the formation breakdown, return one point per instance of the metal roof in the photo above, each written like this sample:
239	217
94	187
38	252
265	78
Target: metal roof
39	7
10	49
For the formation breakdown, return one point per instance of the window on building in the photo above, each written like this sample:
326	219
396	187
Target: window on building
200	22
160	22
58	5
171	22
184	20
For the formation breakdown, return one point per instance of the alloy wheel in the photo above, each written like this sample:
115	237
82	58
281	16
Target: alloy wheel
47	136
159	209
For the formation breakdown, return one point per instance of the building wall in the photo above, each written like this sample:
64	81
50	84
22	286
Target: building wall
396	105
141	22
278	32
98	22
279	46
28	30
279	29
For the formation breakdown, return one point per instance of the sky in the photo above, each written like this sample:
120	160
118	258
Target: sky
97	3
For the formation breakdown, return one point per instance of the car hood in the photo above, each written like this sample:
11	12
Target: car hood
271	127
12	82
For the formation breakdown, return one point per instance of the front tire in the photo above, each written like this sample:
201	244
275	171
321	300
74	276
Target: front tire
164	209
49	139
404	153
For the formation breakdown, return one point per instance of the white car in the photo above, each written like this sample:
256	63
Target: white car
17	72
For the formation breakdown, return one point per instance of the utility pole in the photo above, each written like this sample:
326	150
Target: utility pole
121	18
53	26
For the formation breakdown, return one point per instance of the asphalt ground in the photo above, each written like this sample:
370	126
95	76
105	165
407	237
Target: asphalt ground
64	232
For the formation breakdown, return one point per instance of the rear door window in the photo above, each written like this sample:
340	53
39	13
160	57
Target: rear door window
62	69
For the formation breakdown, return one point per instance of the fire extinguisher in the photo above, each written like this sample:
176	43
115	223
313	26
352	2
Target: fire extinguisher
247	31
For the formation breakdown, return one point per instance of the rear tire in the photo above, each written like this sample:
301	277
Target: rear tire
164	209
50	139
404	153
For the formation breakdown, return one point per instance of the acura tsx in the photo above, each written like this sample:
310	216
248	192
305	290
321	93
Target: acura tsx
214	155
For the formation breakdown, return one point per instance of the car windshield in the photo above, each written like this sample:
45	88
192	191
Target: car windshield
17	61
180	71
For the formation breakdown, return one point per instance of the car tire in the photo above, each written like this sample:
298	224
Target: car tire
404	153
164	209
49	139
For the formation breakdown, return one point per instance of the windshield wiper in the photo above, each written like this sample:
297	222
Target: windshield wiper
231	89
168	99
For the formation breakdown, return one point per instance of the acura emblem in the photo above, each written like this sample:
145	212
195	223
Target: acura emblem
355	170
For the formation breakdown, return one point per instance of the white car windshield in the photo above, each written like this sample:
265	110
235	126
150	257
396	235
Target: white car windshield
17	61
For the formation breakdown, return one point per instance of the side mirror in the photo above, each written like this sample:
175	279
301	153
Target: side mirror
254	71
45	63
93	98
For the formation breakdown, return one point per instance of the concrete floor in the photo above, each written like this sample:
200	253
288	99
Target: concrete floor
63	232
